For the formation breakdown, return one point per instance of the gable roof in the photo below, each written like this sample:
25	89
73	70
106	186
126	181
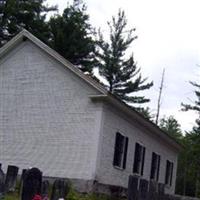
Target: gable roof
105	95
24	34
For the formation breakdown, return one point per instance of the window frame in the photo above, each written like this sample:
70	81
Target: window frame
169	173
155	166
120	153
138	164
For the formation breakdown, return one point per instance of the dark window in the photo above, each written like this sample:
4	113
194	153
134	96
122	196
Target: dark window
155	166
121	148
169	172
138	166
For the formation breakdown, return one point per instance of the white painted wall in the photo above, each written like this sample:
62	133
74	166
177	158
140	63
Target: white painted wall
46	117
114	121
47	120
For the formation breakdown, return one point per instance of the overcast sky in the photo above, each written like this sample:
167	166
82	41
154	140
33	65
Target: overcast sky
168	37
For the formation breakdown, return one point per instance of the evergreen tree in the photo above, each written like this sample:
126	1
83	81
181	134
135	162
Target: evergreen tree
193	138
121	73
196	104
171	126
72	36
146	112
194	157
186	172
18	14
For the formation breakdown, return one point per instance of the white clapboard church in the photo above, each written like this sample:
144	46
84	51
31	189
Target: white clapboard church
54	117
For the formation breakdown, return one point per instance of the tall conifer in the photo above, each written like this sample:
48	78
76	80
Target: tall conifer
18	14
123	76
72	36
194	138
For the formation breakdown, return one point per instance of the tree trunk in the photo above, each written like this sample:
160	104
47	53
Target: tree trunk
111	87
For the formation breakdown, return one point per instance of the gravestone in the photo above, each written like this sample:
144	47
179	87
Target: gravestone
161	188
32	184
153	192
161	191
143	189
176	198
116	191
11	178
167	197
45	189
21	181
2	185
60	189
133	188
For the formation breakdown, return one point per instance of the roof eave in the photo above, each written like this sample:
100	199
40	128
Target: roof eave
140	119
24	34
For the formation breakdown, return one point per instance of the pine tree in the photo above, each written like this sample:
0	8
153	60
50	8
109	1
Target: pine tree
146	112
72	36
194	138
18	14
122	74
171	126
196	105
186	172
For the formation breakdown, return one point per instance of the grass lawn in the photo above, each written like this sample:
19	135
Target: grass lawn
12	196
71	196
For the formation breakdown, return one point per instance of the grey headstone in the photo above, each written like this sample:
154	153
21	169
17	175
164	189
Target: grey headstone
161	191
21	181
161	188
133	188
167	197
32	184
2	182
60	189
176	198
11	178
153	190
45	188
143	189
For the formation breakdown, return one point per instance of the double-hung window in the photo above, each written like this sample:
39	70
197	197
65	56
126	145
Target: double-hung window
155	166
169	173
138	166
120	153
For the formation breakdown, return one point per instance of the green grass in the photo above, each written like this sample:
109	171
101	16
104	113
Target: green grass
12	196
76	196
72	195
